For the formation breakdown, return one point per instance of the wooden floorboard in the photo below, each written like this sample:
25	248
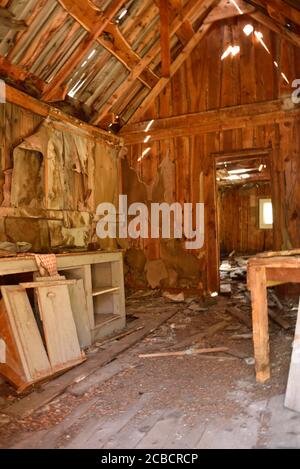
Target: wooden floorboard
97	432
51	390
161	433
134	432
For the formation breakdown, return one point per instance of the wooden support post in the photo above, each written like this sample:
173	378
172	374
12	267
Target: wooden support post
258	287
165	38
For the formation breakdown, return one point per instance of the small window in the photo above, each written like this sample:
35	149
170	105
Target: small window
265	214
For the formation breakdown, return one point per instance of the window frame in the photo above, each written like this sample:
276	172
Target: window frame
261	222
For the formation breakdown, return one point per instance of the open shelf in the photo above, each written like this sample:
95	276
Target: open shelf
102	319
104	290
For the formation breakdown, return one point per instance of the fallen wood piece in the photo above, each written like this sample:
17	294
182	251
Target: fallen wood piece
173	297
194	338
98	378
276	300
184	352
279	320
51	390
292	397
189	341
212	330
240	315
291	252
241	336
119	336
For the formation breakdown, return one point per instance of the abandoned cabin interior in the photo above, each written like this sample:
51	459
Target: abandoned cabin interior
138	340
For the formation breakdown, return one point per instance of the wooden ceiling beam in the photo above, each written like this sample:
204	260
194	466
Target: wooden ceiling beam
96	23
115	43
226	10
109	36
198	36
25	101
186	30
165	38
234	117
265	20
276	7
193	8
21	78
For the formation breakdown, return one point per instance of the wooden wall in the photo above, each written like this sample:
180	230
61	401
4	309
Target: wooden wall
239	219
204	83
52	177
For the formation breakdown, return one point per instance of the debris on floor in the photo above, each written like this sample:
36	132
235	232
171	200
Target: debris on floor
216	352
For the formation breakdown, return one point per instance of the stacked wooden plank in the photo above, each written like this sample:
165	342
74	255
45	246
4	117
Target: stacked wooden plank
33	354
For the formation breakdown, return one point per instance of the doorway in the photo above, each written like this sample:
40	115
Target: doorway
244	204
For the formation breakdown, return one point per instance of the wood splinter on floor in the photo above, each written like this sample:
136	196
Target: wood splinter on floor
184	352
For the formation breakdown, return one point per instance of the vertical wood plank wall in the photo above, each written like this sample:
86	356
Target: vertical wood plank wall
239	219
205	83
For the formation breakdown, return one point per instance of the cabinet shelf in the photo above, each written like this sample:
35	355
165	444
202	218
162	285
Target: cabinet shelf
102	319
104	290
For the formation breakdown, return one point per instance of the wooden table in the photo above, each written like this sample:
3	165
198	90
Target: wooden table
264	272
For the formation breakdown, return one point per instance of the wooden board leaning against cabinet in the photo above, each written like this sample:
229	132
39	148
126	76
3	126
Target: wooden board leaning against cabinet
32	353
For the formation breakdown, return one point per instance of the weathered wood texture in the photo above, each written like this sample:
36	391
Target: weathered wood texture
239	220
179	166
204	82
52	177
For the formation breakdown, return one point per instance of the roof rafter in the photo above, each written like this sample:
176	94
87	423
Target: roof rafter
112	40
198	36
165	38
97	23
276	7
194	8
186	31
117	45
265	20
228	10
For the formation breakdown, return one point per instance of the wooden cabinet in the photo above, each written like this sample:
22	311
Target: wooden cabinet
97	297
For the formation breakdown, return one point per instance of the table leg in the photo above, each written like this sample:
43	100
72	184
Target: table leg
258	284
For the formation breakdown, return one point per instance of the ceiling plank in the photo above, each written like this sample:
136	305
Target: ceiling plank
227	9
165	38
198	36
97	23
8	20
194	8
